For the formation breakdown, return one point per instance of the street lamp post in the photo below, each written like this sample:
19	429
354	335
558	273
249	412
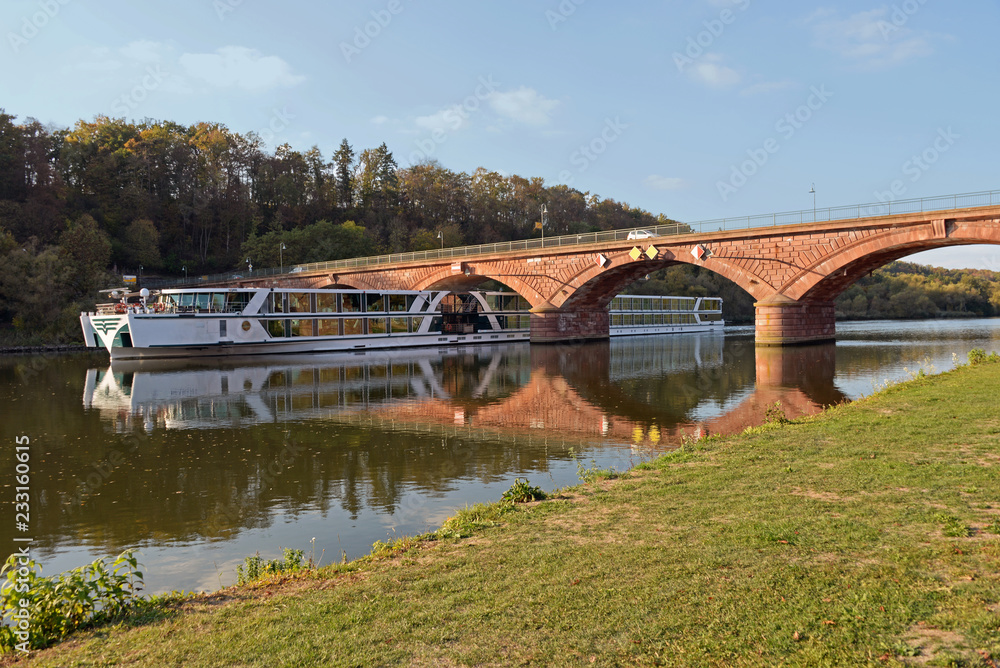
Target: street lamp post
545	213
249	266
813	191
185	272
281	259
441	237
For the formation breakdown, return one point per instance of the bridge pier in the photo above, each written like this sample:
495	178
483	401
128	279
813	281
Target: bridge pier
552	325
780	321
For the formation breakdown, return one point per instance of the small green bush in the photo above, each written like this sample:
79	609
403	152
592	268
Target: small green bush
977	356
58	605
255	568
775	414
522	492
594	473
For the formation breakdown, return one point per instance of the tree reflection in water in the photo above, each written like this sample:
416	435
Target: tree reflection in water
206	453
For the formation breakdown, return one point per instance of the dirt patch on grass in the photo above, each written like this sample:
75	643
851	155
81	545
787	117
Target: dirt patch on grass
829	497
931	643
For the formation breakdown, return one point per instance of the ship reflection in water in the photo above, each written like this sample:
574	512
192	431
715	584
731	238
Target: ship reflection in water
202	463
645	391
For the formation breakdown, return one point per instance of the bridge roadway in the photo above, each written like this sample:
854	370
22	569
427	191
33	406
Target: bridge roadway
793	269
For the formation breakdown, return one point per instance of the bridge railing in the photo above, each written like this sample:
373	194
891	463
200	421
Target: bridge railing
853	212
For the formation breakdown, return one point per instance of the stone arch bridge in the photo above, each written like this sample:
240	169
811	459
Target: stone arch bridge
794	271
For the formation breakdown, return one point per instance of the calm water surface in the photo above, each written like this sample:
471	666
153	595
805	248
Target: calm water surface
202	464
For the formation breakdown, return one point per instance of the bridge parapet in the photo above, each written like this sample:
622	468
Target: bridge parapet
793	271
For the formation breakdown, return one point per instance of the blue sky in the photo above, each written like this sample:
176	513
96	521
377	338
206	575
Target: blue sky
658	104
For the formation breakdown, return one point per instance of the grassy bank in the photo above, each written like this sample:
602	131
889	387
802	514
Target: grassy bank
868	535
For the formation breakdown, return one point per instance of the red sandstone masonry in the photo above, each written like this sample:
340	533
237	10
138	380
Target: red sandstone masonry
804	264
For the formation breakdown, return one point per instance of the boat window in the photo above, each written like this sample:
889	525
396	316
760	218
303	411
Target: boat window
219	301
352	326
326	302
277	300
329	327
276	327
415	323
376	325
399	302
374	302
237	301
398	325
298	302
300	327
202	300
351	302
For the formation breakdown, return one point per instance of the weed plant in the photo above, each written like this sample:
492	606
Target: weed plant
106	590
255	568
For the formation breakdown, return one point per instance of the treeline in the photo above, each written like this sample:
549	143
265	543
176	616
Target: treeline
899	290
908	290
157	197
81	206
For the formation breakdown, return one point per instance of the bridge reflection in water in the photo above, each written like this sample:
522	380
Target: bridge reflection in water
646	391
213	460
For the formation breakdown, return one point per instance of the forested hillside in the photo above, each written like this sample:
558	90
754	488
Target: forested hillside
79	207
117	195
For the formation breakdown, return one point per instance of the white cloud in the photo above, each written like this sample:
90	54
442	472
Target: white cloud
873	39
524	105
710	71
240	67
448	119
657	182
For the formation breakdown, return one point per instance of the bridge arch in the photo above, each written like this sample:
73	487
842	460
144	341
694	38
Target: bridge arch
354	283
793	270
838	271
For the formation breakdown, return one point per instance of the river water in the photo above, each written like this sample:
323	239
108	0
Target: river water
200	464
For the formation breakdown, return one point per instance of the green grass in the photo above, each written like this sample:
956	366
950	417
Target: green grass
865	536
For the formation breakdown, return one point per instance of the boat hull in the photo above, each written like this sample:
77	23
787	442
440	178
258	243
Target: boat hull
274	321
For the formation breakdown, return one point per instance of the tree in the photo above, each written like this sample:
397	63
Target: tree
142	244
344	161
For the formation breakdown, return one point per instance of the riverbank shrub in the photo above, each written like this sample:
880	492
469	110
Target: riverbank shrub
256	568
979	356
522	491
105	590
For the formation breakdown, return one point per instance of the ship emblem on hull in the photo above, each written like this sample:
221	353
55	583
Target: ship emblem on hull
105	325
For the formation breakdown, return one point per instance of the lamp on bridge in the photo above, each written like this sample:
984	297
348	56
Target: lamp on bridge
441	237
281	260
185	272
249	266
813	191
